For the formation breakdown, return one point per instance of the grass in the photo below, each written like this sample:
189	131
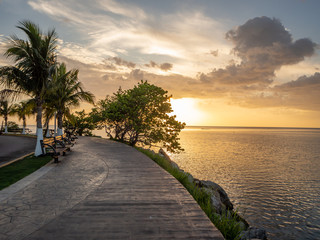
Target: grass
20	169
227	223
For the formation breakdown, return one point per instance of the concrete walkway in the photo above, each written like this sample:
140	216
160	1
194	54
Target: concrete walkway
103	190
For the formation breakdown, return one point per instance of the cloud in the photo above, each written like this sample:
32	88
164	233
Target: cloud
302	93
302	82
128	10
107	26
163	66
179	43
263	46
214	53
120	62
166	66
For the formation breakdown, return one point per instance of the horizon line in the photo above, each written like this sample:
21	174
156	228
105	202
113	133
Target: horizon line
206	126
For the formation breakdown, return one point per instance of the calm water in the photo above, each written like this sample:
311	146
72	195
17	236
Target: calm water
271	175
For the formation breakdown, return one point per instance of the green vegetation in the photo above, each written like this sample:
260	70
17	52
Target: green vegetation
6	109
139	115
20	169
66	91
34	60
37	74
227	223
12	126
79	123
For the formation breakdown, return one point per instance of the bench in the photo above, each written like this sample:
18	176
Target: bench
66	140
53	147
71	136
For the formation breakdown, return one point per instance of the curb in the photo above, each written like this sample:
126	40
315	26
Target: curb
24	182
15	160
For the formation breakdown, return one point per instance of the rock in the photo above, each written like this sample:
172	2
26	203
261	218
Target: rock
163	153
222	195
254	233
190	178
174	165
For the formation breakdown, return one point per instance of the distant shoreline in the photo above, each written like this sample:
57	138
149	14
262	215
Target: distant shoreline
241	127
225	127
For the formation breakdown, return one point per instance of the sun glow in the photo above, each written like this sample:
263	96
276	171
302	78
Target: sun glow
186	111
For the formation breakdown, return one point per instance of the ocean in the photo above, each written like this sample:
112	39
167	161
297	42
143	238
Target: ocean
271	175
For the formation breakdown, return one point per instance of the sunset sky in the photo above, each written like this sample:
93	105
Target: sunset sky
226	63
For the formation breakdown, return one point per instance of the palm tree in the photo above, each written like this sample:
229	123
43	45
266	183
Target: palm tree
66	92
34	59
49	112
5	111
23	109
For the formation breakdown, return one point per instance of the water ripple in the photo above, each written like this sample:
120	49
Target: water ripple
271	175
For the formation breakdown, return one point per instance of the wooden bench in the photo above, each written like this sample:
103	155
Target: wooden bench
54	148
71	136
67	141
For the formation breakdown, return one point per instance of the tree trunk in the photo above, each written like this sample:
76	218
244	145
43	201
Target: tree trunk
59	117
47	131
55	124
24	124
5	124
38	150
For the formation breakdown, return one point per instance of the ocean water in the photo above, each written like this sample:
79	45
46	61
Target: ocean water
271	175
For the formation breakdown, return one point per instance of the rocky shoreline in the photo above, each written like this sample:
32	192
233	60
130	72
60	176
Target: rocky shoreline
220	202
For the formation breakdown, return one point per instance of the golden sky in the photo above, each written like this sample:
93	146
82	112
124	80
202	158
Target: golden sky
226	63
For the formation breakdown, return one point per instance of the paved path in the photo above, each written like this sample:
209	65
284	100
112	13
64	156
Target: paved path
12	147
103	190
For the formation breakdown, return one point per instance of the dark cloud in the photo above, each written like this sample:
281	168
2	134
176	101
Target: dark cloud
152	64
263	46
136	75
214	53
120	62
302	93
163	66
166	66
302	82
109	66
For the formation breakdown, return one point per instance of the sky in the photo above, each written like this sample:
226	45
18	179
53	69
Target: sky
225	62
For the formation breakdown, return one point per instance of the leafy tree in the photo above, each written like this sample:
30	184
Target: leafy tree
79	123
34	60
23	109
140	115
5	110
13	126
66	91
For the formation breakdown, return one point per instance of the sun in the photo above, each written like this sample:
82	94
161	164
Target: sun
186	111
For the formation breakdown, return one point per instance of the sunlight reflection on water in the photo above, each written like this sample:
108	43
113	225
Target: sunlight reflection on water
271	175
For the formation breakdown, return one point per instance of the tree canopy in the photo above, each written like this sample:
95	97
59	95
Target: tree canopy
140	115
34	59
79	123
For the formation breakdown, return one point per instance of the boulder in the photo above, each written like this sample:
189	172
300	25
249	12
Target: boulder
218	195
254	233
164	154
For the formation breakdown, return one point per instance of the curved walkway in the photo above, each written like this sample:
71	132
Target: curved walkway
103	190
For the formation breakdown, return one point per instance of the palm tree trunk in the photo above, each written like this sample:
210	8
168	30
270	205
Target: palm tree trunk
55	124
59	117
47	130
5	124
38	150
24	125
